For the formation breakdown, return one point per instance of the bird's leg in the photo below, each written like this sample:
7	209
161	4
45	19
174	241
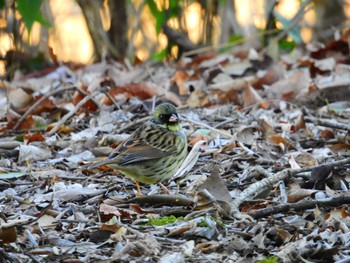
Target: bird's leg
138	189
164	188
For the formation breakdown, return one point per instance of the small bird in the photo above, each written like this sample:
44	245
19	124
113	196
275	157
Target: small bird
154	151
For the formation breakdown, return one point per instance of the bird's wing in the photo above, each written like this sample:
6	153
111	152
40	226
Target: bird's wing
136	152
142	147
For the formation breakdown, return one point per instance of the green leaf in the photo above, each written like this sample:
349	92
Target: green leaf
236	39
20	138
157	14
153	7
2	4
163	220
30	12
174	8
160	20
161	55
272	259
286	45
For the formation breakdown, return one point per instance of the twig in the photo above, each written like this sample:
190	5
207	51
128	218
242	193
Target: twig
224	134
270	181
69	114
170	240
17	223
228	120
302	205
105	91
138	121
87	94
330	124
162	199
36	104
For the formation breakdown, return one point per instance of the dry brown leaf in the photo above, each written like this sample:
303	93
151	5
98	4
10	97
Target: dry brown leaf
196	139
284	235
109	210
251	97
35	137
142	90
278	140
110	227
78	96
338	214
305	159
272	75
295	193
199	98
64	129
19	98
299	123
46	105
290	87
27	124
216	186
248	134
180	78
8	235
340	147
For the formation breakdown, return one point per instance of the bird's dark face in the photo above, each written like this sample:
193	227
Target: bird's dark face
165	114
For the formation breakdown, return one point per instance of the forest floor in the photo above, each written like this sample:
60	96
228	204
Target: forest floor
266	178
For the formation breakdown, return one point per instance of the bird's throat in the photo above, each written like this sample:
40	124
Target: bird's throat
174	127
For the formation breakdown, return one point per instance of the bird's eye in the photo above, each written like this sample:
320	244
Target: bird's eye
162	117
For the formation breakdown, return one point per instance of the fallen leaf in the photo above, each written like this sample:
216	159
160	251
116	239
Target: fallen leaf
35	137
295	193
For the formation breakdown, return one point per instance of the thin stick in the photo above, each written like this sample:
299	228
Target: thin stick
224	134
69	114
36	104
138	121
23	222
330	124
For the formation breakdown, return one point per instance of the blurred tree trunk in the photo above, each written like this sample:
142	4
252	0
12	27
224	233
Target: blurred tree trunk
210	8
329	15
103	45
119	25
270	20
229	23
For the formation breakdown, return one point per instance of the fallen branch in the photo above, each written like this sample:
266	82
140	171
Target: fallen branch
302	205
162	199
267	183
330	124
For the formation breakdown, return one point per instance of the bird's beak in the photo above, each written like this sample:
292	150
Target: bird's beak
174	118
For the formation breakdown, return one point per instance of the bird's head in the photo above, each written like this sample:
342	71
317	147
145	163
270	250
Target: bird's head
165	115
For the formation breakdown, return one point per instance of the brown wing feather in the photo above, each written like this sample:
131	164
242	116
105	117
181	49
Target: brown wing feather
144	144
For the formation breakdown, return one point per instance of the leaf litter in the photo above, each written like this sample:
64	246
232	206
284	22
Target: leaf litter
267	172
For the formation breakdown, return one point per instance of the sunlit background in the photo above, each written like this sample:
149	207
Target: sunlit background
70	40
